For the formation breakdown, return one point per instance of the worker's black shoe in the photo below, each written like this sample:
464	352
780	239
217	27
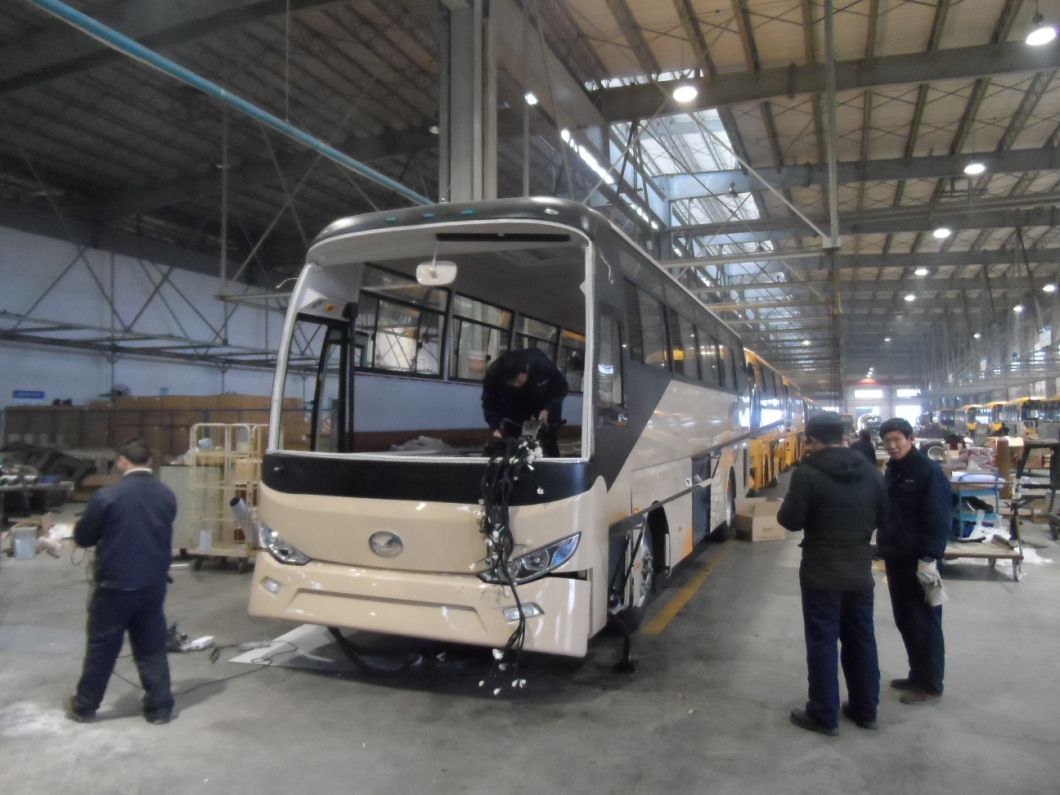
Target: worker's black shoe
158	718
920	697
804	721
903	684
865	724
75	714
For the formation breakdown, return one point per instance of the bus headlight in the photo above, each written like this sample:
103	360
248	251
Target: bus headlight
536	564
280	549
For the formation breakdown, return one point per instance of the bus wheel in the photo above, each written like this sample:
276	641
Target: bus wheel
640	583
724	531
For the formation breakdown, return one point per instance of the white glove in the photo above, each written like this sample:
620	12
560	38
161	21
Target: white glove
931	581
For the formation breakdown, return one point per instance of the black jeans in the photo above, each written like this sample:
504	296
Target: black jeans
110	613
920	625
843	617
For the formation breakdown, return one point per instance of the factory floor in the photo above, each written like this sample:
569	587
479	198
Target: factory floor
705	712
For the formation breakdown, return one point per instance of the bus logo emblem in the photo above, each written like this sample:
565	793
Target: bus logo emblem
386	544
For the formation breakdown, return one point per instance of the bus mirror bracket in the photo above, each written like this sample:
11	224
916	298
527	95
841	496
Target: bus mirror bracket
436	273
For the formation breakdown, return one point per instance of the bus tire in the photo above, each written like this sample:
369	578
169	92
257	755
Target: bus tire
641	580
725	530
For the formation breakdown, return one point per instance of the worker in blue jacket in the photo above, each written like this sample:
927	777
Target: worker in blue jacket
131	526
911	545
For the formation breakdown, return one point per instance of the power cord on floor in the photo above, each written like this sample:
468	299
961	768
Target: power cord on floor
261	661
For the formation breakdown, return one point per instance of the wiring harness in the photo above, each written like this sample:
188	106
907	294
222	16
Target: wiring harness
507	459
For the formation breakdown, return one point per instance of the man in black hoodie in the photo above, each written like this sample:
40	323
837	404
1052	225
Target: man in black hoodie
837	498
911	545
520	385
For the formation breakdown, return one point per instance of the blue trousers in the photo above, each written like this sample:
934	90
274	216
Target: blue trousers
844	618
920	625
110	613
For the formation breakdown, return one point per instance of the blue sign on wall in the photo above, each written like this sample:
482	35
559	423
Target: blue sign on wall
28	394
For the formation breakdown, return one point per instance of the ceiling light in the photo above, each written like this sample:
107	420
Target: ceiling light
805	342
685	93
910	297
1041	33
977	335
1017	308
942	232
975	168
1049	288
921	271
886	339
433	129
531	99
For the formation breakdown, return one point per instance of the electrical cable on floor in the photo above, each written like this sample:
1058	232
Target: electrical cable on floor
261	662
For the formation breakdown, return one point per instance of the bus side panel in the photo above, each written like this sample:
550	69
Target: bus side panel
662	480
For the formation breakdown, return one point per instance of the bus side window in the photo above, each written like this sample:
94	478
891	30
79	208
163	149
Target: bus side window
708	358
653	330
636	343
609	382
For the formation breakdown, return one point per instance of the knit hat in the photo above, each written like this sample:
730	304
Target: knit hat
825	425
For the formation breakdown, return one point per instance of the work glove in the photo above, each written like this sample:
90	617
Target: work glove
927	573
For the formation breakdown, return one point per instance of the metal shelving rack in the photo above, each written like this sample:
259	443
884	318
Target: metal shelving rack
226	465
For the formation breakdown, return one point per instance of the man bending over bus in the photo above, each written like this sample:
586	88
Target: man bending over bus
523	385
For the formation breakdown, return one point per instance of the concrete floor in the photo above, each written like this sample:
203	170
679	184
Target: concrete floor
706	711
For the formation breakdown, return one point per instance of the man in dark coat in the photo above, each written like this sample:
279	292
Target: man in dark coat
837	498
863	444
911	544
131	526
523	385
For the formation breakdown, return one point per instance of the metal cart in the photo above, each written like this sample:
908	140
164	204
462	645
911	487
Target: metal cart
995	547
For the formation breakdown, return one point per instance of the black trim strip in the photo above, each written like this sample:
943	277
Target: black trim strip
430	481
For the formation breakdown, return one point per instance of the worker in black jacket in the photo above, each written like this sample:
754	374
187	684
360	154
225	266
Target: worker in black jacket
837	499
131	526
863	444
523	385
911	544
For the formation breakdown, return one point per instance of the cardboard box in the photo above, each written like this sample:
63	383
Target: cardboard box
756	519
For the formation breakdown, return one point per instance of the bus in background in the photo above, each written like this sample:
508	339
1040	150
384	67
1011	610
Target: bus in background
1021	416
392	323
976	420
947	420
1049	419
994	420
778	416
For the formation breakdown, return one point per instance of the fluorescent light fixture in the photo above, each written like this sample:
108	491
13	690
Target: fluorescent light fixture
531	100
977	336
886	339
975	168
1041	33
685	93
1017	308
805	342
910	297
921	271
942	232
1049	288
433	129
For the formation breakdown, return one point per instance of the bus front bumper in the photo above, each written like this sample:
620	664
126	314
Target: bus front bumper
446	607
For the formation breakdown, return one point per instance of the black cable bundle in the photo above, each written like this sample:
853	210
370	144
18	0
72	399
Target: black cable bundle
508	458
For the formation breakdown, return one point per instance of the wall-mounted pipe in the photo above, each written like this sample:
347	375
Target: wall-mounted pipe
122	43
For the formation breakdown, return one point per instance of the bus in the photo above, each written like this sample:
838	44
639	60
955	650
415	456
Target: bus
373	520
976	418
778	418
994	423
1021	416
1049	419
947	420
